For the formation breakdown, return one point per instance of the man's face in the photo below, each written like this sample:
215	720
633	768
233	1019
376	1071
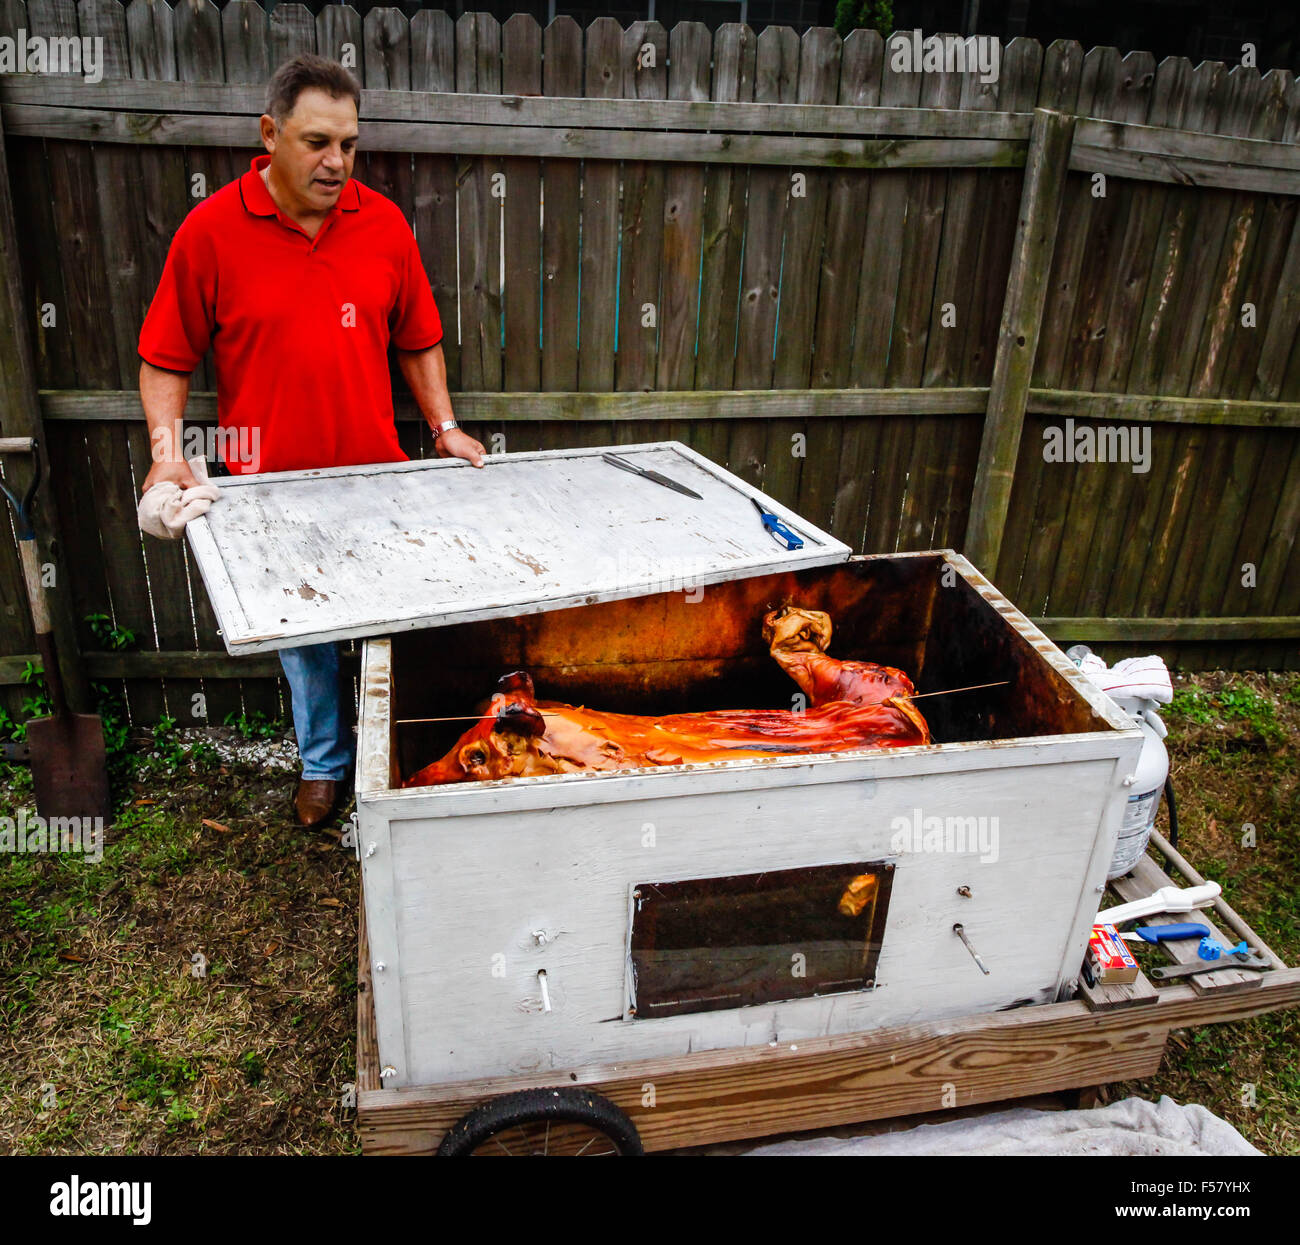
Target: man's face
312	156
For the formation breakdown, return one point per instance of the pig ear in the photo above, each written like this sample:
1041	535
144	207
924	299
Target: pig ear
770	619
520	720
819	629
518	681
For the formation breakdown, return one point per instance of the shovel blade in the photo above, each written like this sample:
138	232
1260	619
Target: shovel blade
70	766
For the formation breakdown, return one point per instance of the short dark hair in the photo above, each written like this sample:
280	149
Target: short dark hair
301	74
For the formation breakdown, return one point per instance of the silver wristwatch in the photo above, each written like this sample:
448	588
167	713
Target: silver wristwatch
446	426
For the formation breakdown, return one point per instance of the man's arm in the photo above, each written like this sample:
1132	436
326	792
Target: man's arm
163	395
426	374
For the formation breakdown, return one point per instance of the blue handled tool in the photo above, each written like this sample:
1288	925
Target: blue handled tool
1167	933
1211	950
780	533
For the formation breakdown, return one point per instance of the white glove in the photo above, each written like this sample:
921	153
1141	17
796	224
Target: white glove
1144	678
166	508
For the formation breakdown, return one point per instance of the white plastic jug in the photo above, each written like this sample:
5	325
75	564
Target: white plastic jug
1138	685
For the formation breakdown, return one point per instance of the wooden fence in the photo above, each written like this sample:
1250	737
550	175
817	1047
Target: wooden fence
871	292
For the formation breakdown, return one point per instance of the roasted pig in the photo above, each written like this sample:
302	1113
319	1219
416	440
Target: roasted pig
852	705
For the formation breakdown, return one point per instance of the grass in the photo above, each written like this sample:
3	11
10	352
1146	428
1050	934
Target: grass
118	1039
1233	743
194	991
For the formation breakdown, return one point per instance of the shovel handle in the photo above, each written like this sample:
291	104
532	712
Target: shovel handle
27	536
41	621
43	626
35	589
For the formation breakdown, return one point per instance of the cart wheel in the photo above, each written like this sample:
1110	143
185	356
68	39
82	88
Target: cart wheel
553	1122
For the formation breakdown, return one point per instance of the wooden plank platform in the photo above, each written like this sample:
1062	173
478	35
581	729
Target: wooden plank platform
1134	994
1114	1034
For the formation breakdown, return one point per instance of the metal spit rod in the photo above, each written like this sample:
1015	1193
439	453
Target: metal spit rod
951	691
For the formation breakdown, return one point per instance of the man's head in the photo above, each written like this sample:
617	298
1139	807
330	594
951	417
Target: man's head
310	129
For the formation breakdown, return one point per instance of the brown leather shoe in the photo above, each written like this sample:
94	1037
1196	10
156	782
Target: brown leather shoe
317	800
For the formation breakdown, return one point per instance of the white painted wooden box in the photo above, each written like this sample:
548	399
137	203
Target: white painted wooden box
1004	825
681	908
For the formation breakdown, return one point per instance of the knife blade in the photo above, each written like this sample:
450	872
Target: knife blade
615	461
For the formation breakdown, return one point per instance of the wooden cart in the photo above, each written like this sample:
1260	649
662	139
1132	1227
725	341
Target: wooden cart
506	951
1108	1034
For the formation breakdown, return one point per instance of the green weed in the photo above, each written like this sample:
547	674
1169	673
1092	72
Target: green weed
254	726
109	636
1255	710
1193	704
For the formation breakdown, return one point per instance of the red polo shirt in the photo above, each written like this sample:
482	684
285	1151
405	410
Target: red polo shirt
299	327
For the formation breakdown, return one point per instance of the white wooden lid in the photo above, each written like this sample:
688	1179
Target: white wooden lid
300	557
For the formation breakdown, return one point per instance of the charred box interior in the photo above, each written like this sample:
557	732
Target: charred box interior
676	652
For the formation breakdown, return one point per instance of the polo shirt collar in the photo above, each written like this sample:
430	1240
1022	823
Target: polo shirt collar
257	199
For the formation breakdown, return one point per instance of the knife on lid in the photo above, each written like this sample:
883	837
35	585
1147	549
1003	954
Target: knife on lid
645	473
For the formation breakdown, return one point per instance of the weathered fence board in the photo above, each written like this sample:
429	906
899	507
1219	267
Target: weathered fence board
1139	302
597	317
873	322
925	479
1115	245
433	53
645	76
735	52
689	75
764	455
820	71
842	268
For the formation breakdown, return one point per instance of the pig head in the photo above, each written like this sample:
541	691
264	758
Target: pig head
798	640
500	745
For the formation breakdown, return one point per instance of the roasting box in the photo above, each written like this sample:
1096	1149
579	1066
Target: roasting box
473	889
533	926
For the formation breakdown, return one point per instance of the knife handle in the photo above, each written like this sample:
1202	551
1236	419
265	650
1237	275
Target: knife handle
615	461
1167	933
781	532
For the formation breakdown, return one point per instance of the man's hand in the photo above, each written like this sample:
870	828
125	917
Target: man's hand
457	443
426	374
169	504
177	472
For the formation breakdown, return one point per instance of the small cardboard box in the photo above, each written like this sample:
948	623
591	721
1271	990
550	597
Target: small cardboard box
1109	958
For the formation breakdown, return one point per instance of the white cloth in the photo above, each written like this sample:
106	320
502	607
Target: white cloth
166	508
1132	1127
1142	678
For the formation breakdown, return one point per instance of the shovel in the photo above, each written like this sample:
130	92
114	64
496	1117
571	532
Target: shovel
68	758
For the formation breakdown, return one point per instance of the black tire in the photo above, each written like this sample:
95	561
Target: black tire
566	1105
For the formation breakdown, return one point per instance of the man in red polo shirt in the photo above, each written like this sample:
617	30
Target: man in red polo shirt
299	279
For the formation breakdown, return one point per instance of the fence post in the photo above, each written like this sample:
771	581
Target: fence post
1046	164
20	416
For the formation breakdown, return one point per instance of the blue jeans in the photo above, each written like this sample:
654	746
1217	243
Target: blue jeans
324	739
